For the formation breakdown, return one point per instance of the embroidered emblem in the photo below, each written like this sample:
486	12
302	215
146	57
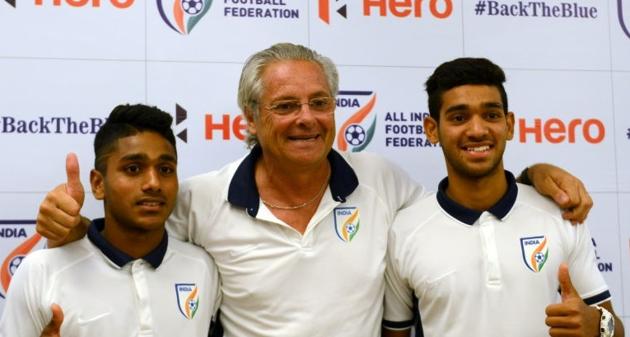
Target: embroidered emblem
347	223
187	299
535	252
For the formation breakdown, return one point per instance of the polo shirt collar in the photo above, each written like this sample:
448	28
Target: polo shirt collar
244	193
154	257
470	216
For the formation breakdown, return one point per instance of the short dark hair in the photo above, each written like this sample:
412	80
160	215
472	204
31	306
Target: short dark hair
463	71
128	120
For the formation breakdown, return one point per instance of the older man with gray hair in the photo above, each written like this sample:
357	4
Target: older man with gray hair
298	230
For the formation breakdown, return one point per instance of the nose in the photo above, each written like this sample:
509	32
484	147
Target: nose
151	180
477	127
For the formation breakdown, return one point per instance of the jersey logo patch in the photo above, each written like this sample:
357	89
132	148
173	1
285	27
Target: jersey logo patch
535	252
347	223
187	299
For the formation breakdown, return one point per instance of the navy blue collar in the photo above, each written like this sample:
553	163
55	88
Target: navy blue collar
154	257
244	193
470	216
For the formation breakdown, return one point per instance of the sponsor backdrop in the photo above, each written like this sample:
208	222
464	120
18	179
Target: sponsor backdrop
65	63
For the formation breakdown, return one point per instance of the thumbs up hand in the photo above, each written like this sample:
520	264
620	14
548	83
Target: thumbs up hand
59	212
53	328
571	317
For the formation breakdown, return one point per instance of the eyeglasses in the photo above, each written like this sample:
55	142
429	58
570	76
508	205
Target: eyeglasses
317	105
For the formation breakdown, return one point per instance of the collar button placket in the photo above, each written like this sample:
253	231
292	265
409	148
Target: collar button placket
139	274
487	223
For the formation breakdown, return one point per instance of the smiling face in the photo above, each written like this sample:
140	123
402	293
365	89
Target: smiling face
473	129
302	139
140	183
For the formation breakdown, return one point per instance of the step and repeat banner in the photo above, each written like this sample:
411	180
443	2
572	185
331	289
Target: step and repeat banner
64	64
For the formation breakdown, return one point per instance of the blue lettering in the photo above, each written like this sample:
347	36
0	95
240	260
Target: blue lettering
9	232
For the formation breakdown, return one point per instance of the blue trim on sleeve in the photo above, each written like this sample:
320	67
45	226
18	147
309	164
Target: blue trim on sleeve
601	297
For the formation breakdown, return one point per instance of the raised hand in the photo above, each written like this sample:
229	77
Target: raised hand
571	317
59	213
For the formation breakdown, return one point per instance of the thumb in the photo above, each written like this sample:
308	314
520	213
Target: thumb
73	182
567	291
53	328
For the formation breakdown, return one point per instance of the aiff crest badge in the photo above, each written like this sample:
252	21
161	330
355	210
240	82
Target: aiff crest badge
347	223
184	14
354	132
13	260
187	299
535	252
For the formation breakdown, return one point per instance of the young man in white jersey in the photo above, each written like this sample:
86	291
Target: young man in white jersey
126	277
486	256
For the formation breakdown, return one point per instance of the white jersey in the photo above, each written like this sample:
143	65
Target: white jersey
277	282
486	273
173	291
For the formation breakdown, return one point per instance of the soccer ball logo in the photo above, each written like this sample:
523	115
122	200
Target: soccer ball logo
351	228
355	134
540	257
192	7
15	263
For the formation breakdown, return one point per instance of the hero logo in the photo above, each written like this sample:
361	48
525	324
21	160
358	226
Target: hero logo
556	131
120	4
440	9
227	125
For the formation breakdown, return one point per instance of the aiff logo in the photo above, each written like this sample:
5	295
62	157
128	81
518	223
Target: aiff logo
353	131
12	232
185	14
535	252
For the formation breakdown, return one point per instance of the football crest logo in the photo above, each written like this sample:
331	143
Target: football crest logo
13	260
187	299
182	15
535	252
347	223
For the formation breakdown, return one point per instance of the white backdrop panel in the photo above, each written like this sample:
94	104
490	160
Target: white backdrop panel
602	222
206	92
567	105
389	39
64	94
621	88
620	34
66	31
219	36
624	238
537	42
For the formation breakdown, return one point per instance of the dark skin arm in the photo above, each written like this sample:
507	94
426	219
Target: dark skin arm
568	192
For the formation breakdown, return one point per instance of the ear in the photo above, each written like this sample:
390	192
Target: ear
97	182
431	130
251	124
510	124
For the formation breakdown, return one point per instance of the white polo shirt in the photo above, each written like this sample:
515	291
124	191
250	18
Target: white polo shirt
277	282
172	291
486	273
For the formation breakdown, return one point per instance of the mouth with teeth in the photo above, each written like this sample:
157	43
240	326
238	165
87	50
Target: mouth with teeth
478	149
151	204
303	138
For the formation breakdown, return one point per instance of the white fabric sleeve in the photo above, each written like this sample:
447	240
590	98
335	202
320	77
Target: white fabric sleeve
23	313
178	223
585	276
398	312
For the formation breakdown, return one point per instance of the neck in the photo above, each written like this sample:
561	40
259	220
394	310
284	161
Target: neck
276	182
478	193
136	244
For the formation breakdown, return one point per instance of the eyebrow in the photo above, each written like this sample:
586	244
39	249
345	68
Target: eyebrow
144	157
461	107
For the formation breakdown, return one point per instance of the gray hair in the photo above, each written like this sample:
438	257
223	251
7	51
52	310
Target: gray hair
250	86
